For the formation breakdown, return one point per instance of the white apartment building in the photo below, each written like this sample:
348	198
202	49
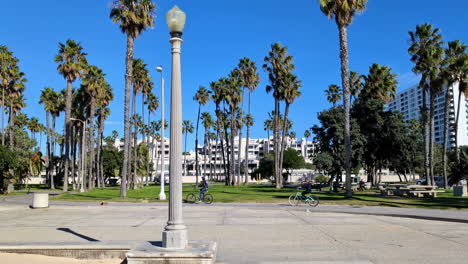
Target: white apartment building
212	157
409	102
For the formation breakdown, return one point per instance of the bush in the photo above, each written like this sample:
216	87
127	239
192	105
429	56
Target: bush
321	178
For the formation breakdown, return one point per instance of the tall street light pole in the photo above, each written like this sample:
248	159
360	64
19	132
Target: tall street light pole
162	195
83	152
175	232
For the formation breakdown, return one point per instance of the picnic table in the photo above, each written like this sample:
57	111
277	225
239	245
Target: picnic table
409	190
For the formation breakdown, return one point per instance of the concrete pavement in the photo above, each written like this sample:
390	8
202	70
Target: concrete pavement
249	233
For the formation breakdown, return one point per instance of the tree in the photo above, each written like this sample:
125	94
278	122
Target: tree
201	97
72	65
355	85
427	55
343	12
187	127
7	163
207	122
333	94
292	160
133	16
278	64
8	69
249	79
47	98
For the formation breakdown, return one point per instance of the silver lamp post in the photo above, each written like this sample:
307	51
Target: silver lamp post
83	152
162	194
175	232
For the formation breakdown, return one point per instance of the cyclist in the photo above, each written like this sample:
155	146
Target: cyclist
307	186
204	185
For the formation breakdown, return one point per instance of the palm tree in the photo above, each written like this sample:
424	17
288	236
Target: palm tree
15	99
103	112
250	80
233	97
278	65
218	97
355	85
291	92
8	69
427	55
380	83
202	97
333	94
307	135
457	72
93	82
47	99
33	126
187	127
72	65
207	122
343	12
134	16
153	103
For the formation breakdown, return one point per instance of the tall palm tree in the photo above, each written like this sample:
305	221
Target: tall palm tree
291	93
93	82
103	102
152	103
47	99
8	69
187	127
278	65
333	94
134	16
250	80
72	65
218	97
306	135
427	55
457	72
343	12
233	98
15	99
201	97
33	126
355	85
207	122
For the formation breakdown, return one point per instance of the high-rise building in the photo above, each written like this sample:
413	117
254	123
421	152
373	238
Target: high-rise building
409	103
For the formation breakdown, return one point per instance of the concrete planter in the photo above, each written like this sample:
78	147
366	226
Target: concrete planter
40	200
461	191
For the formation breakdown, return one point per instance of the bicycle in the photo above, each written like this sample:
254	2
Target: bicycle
193	197
311	200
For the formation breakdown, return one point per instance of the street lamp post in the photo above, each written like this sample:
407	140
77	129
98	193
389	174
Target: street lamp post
175	232
162	195
83	152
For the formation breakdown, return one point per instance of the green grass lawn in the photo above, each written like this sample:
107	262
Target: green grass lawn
13	193
269	194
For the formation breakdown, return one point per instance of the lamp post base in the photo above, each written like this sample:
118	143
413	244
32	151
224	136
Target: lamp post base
196	252
174	239
162	196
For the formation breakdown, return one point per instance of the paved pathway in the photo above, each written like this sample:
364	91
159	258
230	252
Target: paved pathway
253	233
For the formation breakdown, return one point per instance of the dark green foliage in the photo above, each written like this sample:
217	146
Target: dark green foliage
112	162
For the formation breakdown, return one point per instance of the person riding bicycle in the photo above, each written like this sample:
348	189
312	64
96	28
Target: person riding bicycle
307	186
203	184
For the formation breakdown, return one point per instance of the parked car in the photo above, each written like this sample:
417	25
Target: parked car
157	179
438	180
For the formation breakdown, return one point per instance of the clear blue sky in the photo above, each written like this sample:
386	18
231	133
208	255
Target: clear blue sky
217	34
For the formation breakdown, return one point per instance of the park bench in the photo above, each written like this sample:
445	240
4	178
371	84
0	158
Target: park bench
424	193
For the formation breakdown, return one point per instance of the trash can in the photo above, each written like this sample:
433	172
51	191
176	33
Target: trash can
40	200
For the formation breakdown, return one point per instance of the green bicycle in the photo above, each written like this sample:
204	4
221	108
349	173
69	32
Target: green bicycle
297	198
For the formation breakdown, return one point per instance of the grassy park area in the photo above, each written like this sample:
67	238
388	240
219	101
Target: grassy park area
269	194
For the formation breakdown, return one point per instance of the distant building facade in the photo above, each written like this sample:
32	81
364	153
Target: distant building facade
409	103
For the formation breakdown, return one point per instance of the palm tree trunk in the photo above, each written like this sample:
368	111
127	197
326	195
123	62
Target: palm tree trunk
345	84
91	173
185	155
285	132
431	137
3	115
218	131
246	165
446	130
196	146
239	151
135	147
148	173
49	156
11	122
73	154
276	144
457	149
52	181
67	137
128	84
233	180
204	152
100	177
210	159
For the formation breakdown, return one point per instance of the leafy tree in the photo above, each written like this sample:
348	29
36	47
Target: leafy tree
343	12
8	161
292	160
